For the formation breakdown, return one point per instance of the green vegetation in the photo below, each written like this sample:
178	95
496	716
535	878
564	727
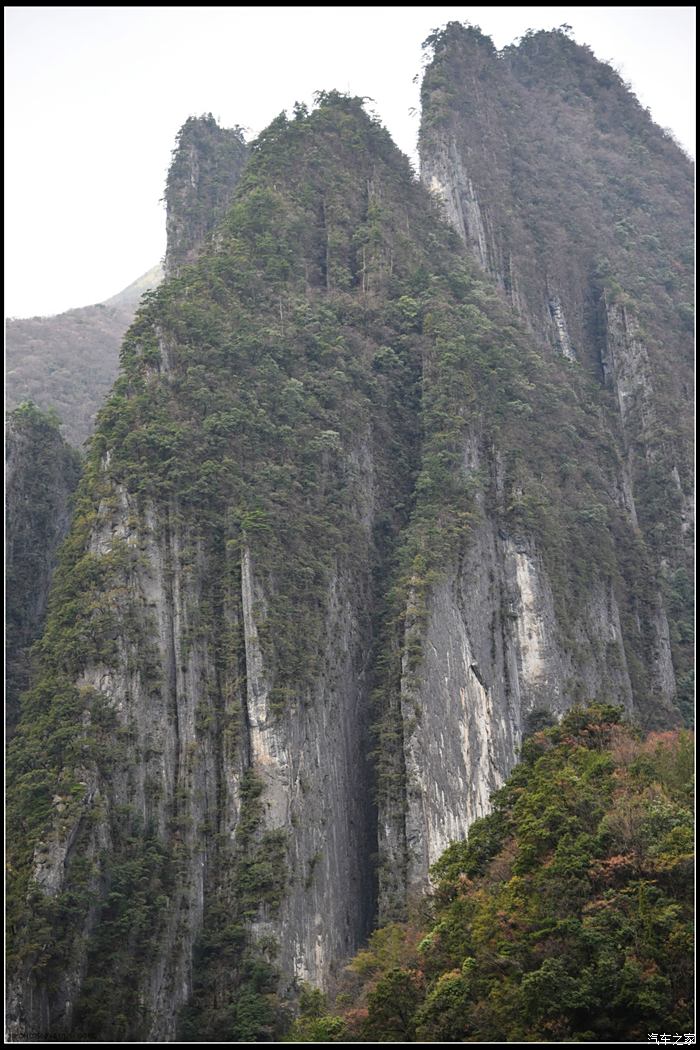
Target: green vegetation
565	915
141	874
206	165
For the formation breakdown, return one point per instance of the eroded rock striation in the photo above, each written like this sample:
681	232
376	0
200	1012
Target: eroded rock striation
535	154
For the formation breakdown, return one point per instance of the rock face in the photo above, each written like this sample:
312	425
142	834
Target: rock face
357	515
68	362
41	473
576	204
220	700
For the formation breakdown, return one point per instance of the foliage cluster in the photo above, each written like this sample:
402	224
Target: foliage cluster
565	915
206	165
141	876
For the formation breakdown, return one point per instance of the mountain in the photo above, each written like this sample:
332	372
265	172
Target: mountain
579	208
577	579
567	916
354	521
131	295
80	349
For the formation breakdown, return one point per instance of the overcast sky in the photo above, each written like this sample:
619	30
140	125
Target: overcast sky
95	97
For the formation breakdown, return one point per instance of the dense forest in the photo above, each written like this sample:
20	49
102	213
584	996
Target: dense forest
567	914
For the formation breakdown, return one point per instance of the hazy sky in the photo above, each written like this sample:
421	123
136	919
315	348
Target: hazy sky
95	97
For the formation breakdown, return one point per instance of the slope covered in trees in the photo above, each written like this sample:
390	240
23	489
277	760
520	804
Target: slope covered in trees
207	163
566	915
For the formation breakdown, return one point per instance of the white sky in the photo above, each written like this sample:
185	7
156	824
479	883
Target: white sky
95	97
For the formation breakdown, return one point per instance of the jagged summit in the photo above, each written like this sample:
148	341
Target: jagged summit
67	363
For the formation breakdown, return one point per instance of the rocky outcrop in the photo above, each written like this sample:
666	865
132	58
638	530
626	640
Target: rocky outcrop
68	363
199	728
221	765
206	166
355	520
495	658
497	646
313	763
627	369
536	155
519	146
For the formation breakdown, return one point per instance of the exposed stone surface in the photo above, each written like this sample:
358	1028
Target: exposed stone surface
493	647
493	656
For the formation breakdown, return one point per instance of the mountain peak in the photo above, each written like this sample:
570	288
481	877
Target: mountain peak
206	165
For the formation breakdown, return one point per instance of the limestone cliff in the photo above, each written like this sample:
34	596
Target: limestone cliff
580	208
352	522
518	148
197	742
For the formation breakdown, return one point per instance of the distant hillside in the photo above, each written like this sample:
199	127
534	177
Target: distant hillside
69	362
